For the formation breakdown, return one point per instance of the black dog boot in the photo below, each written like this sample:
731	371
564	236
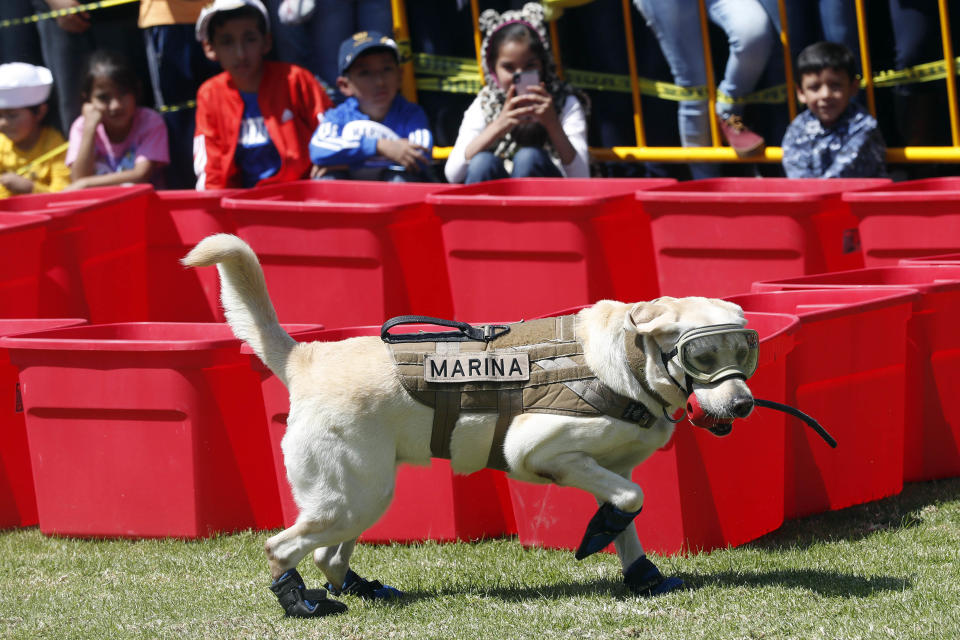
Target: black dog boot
605	525
644	579
366	589
299	602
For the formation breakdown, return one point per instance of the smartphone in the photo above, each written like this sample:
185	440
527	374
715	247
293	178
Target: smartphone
523	80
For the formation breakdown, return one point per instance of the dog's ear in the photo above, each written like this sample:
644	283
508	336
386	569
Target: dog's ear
650	317
731	307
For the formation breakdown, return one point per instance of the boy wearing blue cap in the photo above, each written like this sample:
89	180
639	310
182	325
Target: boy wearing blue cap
376	134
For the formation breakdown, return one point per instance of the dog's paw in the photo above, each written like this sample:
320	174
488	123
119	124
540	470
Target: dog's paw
605	525
644	579
299	602
366	589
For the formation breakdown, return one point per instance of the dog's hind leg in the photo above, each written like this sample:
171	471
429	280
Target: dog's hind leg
335	564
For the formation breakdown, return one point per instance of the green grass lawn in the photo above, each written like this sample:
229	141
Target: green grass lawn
889	569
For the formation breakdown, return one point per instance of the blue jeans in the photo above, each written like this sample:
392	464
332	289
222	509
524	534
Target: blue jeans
177	69
751	37
22	42
316	43
528	162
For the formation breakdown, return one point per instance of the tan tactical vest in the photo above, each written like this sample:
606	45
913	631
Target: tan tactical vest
559	380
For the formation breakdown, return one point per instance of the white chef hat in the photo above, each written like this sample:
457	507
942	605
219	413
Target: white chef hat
24	85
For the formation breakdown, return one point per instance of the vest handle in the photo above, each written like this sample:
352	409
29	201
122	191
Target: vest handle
465	332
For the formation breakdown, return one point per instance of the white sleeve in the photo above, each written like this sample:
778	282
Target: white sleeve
574	124
473	123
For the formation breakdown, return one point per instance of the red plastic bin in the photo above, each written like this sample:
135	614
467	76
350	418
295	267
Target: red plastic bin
908	219
700	492
144	430
94	260
526	246
176	222
345	252
714	237
21	246
429	503
848	372
18	503
932	445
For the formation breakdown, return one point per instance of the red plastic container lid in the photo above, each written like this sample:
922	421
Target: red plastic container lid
823	304
13	326
777	331
758	190
132	336
943	258
66	202
928	190
188	196
545	192
353	197
923	277
21	221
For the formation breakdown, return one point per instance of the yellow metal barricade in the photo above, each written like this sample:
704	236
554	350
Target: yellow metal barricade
947	68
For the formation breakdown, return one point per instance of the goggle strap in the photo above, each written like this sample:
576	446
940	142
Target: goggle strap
636	357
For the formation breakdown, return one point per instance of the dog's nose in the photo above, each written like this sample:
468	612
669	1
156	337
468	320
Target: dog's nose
742	407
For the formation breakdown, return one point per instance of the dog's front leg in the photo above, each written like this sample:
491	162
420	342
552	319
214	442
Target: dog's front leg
620	501
335	563
640	575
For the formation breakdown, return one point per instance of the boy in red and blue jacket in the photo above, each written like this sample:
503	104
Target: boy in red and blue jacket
254	120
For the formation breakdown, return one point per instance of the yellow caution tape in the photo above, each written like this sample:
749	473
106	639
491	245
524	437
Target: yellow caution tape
171	108
460	75
59	13
25	169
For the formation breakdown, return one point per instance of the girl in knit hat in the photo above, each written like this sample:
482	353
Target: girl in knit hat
534	130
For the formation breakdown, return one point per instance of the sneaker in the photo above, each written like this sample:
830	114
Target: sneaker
740	138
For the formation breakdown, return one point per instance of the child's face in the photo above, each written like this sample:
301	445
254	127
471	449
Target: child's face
240	47
515	55
374	80
20	125
827	93
117	106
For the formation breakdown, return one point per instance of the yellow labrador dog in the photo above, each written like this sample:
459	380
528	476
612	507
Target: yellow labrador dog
352	421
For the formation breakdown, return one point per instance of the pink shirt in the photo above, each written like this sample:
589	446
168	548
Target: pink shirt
147	141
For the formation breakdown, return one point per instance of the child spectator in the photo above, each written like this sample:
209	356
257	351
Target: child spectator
254	120
31	153
505	133
834	138
376	133
178	67
114	141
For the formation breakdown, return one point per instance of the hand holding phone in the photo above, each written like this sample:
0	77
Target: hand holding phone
523	80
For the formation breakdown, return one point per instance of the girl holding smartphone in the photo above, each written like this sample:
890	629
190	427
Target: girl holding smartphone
525	122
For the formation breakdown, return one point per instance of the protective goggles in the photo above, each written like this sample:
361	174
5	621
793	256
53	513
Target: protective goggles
709	354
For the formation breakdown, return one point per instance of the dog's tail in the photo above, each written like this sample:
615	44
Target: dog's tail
243	293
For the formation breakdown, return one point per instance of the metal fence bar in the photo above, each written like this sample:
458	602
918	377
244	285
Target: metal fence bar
866	69
401	34
555	45
711	83
951	70
639	133
477	40
787	59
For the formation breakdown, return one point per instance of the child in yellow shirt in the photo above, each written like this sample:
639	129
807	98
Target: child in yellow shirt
31	153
